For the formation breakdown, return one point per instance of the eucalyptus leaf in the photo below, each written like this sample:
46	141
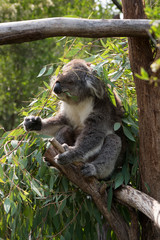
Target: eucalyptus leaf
47	86
119	180
7	205
49	71
35	188
62	206
128	134
117	126
42	71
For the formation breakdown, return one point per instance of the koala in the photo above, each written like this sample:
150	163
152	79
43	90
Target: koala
84	122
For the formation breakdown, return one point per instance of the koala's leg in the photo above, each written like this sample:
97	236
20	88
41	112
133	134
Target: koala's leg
105	162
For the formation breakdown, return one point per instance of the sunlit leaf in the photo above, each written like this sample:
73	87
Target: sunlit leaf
7	205
35	188
72	52
43	70
49	71
47	86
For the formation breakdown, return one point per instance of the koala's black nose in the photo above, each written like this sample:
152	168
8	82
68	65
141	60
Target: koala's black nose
57	88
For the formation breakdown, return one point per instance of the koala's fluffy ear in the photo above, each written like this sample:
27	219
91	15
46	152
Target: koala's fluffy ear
95	85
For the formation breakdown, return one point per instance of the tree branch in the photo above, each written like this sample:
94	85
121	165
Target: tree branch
125	194
92	187
141	201
118	5
31	30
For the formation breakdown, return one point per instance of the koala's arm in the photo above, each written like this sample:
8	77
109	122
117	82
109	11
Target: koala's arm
49	126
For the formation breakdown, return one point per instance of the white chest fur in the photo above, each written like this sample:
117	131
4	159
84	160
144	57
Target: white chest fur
78	113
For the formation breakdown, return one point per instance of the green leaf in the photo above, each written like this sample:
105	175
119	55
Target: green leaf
126	173
13	208
117	125
119	180
43	70
97	215
117	75
14	143
67	235
46	85
128	134
143	76
92	58
111	96
129	122
109	198
75	98
72	52
65	184
35	188
62	238
155	66
7	205
1	172
28	212
51	182
103	44
49	71
62	206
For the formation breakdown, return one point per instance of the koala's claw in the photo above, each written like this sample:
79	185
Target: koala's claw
60	159
88	170
65	146
32	123
47	163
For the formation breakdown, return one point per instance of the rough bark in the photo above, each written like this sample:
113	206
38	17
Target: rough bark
148	98
31	30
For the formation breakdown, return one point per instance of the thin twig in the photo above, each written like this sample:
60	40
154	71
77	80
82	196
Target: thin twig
119	6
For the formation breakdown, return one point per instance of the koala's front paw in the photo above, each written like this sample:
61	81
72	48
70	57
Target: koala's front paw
65	158
88	170
32	123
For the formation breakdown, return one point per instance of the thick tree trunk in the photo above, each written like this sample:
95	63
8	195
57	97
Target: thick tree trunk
148	97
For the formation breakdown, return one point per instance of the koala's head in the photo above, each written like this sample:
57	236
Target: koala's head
77	82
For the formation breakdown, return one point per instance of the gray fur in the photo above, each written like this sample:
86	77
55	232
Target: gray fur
85	121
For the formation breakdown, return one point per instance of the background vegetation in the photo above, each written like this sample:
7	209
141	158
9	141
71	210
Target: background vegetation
20	63
36	201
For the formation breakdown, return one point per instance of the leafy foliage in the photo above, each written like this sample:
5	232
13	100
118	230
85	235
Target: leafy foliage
37	201
20	63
